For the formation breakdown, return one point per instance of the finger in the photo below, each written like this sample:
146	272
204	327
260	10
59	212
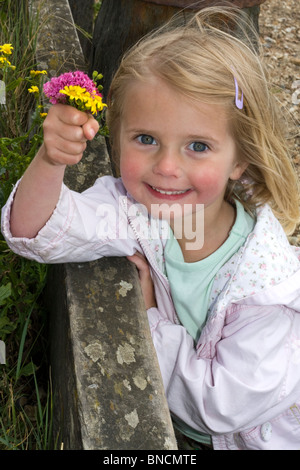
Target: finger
60	157
138	255
56	125
62	151
66	132
71	123
145	279
140	261
90	128
68	115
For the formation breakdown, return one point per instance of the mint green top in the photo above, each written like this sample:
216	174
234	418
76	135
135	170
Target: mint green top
191	285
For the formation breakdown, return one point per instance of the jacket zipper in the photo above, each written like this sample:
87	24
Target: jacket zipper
152	262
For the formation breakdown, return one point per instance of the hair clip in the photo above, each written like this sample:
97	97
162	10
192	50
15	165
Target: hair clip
239	102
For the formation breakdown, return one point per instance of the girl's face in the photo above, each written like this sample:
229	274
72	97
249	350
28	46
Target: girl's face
173	151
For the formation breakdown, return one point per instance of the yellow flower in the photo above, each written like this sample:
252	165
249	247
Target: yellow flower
83	98
4	61
95	104
43	115
34	73
34	89
75	92
6	49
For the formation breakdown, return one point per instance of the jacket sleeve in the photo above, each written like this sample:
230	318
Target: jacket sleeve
249	378
83	227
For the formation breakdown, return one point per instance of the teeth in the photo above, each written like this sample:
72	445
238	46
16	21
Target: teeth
169	193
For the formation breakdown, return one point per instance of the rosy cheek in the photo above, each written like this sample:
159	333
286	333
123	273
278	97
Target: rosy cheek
130	173
127	166
208	181
210	185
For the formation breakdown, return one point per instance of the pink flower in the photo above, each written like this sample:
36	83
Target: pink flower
78	78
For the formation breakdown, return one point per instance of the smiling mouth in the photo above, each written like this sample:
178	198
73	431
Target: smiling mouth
169	192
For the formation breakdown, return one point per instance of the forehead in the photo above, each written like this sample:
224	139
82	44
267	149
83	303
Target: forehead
154	103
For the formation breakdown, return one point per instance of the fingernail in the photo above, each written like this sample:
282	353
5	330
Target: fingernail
92	133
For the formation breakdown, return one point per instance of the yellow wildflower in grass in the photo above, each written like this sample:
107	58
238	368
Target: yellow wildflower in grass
34	73
4	61
6	49
43	115
34	89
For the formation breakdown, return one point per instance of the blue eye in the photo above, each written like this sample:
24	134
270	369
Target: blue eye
146	139
198	147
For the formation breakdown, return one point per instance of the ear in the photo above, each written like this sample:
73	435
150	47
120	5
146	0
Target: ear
238	170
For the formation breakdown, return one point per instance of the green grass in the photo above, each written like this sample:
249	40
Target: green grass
26	400
18	29
26	405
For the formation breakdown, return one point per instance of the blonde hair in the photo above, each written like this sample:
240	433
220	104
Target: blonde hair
200	60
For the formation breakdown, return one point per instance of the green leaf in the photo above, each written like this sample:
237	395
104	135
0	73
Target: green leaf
5	291
13	84
27	370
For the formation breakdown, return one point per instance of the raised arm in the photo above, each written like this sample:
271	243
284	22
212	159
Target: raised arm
66	131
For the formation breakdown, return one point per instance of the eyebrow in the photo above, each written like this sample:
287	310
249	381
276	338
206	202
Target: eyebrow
191	137
136	131
201	138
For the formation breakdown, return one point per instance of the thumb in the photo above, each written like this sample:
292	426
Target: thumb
90	128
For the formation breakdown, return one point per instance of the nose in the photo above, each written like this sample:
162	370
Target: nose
167	163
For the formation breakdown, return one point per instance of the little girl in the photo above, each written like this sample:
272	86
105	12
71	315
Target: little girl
204	165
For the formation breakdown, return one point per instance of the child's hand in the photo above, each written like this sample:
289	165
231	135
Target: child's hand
145	279
66	131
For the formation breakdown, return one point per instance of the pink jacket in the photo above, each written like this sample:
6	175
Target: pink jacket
241	383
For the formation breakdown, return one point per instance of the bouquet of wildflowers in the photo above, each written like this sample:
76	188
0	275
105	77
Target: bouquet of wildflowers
76	89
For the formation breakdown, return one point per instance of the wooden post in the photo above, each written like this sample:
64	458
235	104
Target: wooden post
196	5
121	23
82	12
